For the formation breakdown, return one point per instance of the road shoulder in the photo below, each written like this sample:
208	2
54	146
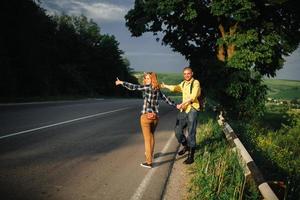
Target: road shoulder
177	185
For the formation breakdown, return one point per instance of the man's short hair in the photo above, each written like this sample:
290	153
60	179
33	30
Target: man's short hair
187	68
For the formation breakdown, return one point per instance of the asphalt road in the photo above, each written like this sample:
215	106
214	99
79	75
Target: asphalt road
88	149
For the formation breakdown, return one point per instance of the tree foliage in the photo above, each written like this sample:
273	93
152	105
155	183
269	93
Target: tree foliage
230	44
45	55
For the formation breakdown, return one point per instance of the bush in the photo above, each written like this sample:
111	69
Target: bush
277	151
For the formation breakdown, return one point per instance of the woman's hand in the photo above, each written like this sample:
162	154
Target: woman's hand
118	82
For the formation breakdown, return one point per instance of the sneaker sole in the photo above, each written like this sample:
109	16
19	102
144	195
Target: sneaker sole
146	166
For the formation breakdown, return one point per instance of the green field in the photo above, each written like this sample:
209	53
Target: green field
167	78
283	89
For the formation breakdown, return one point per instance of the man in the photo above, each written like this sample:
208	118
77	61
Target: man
187	118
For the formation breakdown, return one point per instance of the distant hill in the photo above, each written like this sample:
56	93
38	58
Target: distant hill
283	89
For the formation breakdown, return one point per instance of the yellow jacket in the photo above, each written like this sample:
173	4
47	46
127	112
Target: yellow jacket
186	95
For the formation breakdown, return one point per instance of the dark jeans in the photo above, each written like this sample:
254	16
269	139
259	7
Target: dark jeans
189	121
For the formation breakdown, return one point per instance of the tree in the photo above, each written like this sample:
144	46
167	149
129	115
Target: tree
43	55
26	43
233	43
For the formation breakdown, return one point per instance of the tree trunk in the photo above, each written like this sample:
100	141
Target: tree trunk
225	52
231	47
221	51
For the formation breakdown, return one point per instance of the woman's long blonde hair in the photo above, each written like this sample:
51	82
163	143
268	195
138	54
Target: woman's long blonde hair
154	82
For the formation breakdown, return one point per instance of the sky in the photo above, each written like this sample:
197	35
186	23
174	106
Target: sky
144	53
291	68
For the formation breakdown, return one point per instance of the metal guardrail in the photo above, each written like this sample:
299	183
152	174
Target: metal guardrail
251	168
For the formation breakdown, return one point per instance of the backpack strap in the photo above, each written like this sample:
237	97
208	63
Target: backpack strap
191	88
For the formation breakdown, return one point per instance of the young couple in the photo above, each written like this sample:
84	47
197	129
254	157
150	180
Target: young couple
187	117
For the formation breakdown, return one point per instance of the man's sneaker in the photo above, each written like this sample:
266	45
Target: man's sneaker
189	160
183	150
146	165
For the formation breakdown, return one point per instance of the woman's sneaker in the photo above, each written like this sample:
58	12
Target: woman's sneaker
146	165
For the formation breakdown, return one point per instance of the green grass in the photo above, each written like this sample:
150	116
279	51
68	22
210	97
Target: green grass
283	89
217	173
275	117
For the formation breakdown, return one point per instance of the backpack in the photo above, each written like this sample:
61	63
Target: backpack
200	98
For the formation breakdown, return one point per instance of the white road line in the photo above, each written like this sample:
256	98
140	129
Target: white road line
142	187
60	123
46	102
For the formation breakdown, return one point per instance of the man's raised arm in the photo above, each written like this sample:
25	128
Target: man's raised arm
172	88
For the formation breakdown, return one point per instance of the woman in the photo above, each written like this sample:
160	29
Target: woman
149	117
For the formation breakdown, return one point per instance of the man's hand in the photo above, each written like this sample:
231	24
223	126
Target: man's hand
179	106
184	104
118	82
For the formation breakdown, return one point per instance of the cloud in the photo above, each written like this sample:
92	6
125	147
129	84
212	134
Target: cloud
98	11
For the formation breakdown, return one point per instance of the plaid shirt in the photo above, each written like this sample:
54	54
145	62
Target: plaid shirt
150	97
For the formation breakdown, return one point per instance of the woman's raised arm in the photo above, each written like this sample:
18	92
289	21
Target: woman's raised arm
131	86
